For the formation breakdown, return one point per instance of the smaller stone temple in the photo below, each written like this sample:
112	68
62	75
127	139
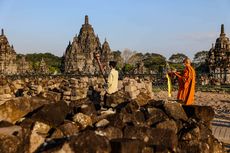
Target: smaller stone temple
7	56
79	54
219	58
23	66
43	67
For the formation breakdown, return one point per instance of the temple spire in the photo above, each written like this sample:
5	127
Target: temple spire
2	32
86	19
222	30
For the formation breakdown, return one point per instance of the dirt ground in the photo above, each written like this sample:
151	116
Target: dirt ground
219	101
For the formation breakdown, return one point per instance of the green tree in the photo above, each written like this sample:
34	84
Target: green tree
128	68
136	58
53	62
200	61
117	57
177	58
154	61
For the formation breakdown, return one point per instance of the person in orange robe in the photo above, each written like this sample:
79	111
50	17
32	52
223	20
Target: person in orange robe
186	83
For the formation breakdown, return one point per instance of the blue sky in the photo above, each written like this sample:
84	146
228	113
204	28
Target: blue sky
159	26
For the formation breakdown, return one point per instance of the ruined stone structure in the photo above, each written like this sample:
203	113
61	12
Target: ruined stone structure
65	115
43	68
23	66
219	58
7	56
79	54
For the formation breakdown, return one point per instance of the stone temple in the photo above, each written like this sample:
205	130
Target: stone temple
23	65
7	56
219	58
79	54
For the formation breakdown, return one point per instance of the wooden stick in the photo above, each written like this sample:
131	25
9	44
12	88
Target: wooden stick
97	57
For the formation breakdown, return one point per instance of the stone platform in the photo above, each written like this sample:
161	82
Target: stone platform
221	130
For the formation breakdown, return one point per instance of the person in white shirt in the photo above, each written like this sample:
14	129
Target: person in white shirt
112	81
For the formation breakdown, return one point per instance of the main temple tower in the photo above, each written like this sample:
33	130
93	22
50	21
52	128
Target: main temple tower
79	54
219	58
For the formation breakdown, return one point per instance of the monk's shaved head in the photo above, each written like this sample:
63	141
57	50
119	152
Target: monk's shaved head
187	61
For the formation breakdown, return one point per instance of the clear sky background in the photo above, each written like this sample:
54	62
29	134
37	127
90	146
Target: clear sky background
158	26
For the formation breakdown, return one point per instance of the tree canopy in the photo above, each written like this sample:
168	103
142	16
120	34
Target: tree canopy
53	62
177	58
200	57
200	61
154	61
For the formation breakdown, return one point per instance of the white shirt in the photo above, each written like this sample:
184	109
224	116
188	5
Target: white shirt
112	81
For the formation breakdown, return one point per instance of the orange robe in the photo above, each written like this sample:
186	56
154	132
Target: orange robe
186	89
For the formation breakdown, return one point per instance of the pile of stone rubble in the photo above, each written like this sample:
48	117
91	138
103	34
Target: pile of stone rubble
130	121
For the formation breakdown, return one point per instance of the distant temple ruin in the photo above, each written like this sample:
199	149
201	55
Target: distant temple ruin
43	68
219	58
7	56
79	55
23	66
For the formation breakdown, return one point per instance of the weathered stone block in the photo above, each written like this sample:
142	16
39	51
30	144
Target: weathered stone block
204	113
149	87
152	136
65	148
7	89
85	79
155	115
88	109
115	98
67	98
69	128
15	109
134	94
142	99
176	111
110	132
11	130
116	120
126	145
138	118
74	81
39	89
6	96
102	123
2	91
52	114
156	103
168	124
140	85
88	141
38	135
129	107
54	96
10	144
67	93
120	85
81	93
83	119
130	88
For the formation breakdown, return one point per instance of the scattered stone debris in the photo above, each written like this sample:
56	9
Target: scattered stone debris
125	124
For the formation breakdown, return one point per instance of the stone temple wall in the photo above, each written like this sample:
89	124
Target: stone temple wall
70	89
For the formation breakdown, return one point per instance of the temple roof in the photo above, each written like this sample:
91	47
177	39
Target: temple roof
222	39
